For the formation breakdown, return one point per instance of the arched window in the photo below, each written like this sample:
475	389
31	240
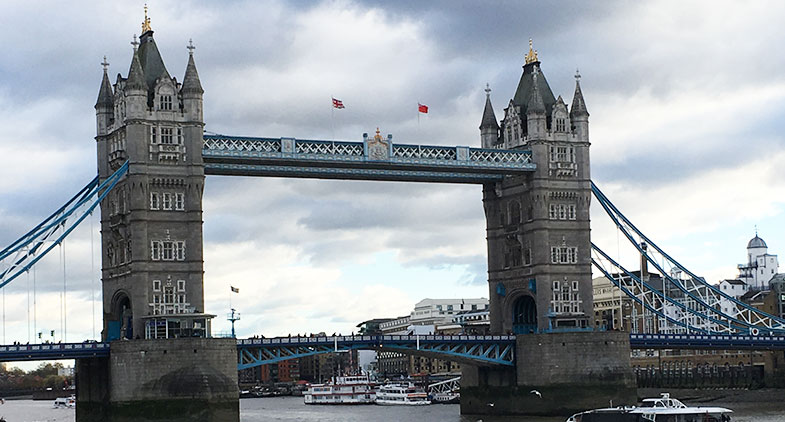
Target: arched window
524	315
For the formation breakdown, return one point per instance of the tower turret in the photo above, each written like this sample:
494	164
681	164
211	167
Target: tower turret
191	90
579	116
104	106
489	127
135	87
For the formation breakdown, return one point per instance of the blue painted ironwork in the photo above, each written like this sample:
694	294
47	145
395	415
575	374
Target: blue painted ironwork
700	297
23	253
477	350
699	341
373	159
52	351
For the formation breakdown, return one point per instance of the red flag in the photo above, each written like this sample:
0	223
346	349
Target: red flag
337	103
422	108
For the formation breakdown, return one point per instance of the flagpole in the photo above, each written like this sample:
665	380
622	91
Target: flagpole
332	117
418	120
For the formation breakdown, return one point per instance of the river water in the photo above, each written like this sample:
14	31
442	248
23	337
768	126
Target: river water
292	409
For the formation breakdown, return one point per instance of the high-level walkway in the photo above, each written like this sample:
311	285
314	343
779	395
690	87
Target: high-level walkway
372	159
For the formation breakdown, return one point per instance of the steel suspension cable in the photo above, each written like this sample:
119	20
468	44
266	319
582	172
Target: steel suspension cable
92	268
65	299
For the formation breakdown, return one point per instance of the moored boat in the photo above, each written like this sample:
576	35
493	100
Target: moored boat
65	402
403	394
355	389
663	409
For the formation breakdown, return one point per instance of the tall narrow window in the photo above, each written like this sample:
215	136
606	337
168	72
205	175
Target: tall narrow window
155	250
167	251
180	285
155	201
153	137
156	286
166	135
179	201
168	295
180	251
167	201
179	136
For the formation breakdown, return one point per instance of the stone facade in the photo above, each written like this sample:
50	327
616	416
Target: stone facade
151	222
571	371
538	231
160	380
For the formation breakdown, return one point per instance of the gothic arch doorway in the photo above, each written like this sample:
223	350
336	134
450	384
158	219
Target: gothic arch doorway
524	315
120	324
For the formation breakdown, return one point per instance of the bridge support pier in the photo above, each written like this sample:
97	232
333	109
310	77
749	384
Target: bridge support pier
171	380
572	372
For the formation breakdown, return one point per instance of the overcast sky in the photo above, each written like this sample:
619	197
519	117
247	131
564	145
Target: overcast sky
687	101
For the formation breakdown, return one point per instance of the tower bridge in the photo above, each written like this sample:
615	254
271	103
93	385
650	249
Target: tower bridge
534	169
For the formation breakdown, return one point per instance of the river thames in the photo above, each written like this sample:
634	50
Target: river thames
292	409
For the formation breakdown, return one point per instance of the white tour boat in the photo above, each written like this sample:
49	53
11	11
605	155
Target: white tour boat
663	409
354	389
401	394
65	402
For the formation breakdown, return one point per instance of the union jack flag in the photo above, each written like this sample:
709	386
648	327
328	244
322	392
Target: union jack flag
337	103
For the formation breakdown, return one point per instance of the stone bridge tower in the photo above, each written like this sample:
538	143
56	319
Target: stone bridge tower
152	266
151	222
539	266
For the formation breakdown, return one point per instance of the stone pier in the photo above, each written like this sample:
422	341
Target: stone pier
173	380
571	371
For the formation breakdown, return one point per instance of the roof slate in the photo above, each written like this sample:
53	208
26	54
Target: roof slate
488	116
105	93
150	59
191	80
524	91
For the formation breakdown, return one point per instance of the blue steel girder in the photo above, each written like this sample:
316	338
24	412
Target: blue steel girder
476	350
372	159
707	341
52	351
722	312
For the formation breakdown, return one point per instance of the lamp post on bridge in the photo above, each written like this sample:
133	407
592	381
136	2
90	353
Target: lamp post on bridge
233	316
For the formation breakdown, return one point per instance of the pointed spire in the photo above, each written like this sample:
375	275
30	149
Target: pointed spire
578	105
488	116
136	74
531	57
191	82
146	22
105	92
535	105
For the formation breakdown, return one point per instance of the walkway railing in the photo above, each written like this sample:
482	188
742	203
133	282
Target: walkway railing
371	159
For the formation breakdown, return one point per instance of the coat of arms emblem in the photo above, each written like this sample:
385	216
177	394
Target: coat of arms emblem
378	148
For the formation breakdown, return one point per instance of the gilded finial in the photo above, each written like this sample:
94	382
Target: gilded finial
146	23
532	56
378	134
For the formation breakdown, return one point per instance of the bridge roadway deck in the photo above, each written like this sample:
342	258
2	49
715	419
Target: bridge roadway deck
432	344
707	341
370	159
